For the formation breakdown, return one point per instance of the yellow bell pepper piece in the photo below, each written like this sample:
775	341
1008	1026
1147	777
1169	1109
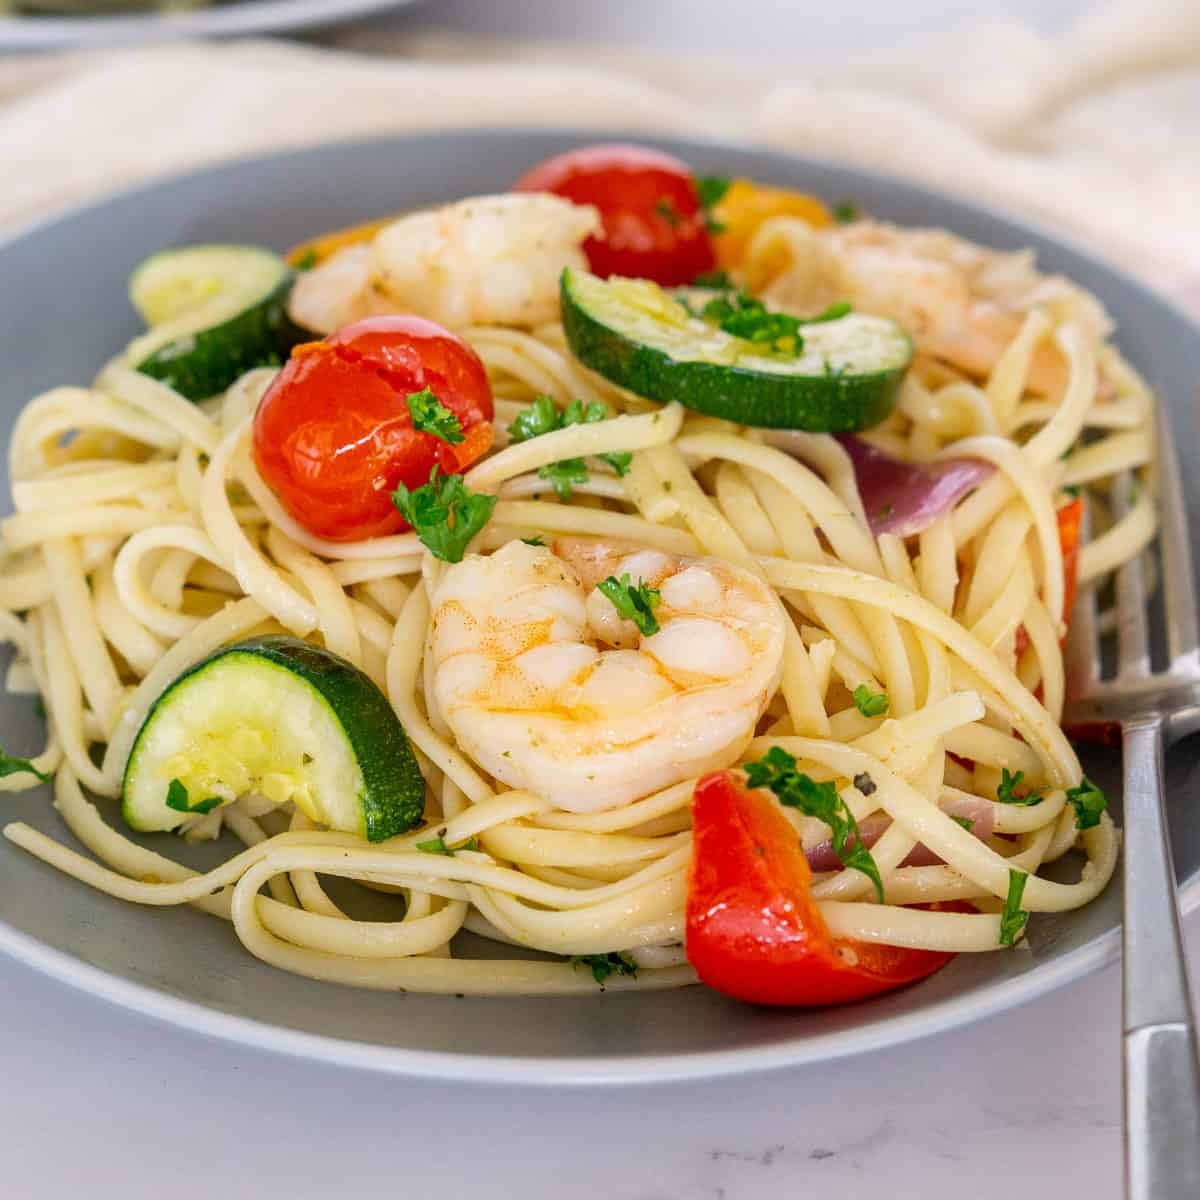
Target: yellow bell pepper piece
746	205
316	250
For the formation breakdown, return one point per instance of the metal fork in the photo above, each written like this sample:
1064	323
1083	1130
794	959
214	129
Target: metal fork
1162	1076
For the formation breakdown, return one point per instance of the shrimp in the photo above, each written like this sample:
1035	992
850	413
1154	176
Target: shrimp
544	684
961	303
488	260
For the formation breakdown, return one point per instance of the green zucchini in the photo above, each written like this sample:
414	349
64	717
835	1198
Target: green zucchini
843	377
214	313
281	718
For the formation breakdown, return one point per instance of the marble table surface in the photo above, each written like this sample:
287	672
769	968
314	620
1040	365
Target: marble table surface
97	1102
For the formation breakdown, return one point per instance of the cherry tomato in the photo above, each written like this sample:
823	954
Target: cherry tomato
654	225
1070	519
753	929
334	436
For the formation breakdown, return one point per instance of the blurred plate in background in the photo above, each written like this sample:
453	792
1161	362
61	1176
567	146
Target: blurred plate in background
233	18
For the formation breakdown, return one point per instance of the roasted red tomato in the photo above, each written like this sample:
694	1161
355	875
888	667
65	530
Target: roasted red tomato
654	225
1070	519
334	433
753	930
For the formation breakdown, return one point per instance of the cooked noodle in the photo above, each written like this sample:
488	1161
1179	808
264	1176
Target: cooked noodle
143	538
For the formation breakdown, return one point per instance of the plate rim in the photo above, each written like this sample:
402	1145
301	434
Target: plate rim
28	31
565	1070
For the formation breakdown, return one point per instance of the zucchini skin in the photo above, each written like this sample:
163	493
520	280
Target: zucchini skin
393	794
835	403
204	364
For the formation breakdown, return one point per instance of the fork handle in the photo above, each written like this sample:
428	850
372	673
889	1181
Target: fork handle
1162	1075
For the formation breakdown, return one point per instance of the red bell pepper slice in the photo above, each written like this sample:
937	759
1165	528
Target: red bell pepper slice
753	929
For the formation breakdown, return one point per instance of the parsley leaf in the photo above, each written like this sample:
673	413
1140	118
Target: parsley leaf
713	279
1006	792
543	417
635	602
869	703
178	799
1073	490
563	475
777	770
445	513
744	316
965	822
306	261
845	211
1089	802
430	415
1014	918
834	312
437	845
533	541
615	962
540	417
19	766
711	189
39	707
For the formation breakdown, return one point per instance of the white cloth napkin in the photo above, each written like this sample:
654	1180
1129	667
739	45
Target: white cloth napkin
1096	132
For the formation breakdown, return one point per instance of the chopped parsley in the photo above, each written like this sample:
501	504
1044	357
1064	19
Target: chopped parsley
869	703
1014	918
1006	792
430	415
744	316
965	822
667	210
437	845
533	541
180	801
865	784
20	766
713	279
306	261
1089	802
834	312
542	416
887	512
602	966
1073	490
777	770
711	189
39	708
845	211
635	602
445	513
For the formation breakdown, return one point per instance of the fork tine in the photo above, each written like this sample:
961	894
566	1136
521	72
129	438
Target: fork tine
1133	654
1178	582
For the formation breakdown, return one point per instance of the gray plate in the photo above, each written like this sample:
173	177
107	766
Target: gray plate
233	18
62	313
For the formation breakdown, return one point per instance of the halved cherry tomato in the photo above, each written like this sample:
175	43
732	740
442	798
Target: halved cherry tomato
746	205
334	436
753	929
654	225
1070	521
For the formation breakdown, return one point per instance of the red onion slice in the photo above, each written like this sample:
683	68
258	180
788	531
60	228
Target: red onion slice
906	498
975	809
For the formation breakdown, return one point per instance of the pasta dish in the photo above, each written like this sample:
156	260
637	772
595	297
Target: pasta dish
662	577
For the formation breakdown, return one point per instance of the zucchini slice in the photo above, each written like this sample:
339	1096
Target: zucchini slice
214	312
844	377
282	718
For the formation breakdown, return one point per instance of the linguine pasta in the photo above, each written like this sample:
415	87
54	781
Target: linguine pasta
143	538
